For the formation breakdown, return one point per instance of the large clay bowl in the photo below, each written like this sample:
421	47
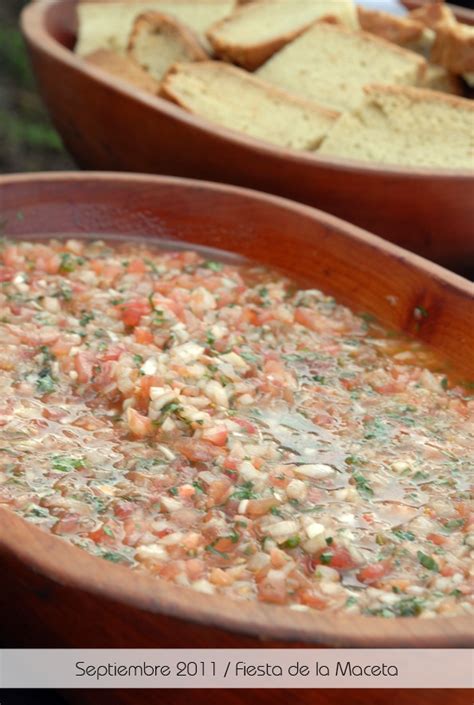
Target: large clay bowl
108	124
53	594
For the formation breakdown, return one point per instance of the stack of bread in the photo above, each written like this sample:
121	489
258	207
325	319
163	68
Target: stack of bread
323	76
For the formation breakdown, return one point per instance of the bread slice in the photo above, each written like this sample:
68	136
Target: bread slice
107	25
437	78
330	65
453	48
258	29
406	126
237	100
124	68
158	41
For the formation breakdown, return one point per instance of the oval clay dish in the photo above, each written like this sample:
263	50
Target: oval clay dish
108	124
56	594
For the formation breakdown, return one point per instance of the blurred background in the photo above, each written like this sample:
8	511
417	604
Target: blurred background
28	142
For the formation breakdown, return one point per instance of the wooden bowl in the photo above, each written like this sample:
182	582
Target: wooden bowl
47	582
108	124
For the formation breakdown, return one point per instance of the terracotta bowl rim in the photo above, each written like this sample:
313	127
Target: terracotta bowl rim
33	25
69	565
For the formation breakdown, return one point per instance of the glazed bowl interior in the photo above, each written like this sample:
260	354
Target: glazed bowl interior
358	268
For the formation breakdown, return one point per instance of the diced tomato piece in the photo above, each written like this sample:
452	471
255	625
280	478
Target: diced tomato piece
248	317
340	558
438	539
143	336
308	318
260	507
216	435
112	353
107	533
133	311
218	491
70	524
186	491
312	599
246	425
225	544
84	363
104	376
196	451
61	347
138	424
6	274
230	464
447	571
124	509
373	572
136	266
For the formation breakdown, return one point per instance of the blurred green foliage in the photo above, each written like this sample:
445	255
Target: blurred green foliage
28	142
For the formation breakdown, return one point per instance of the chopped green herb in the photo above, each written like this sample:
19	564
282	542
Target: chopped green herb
214	266
292	542
86	317
45	383
234	537
362	486
210	338
62	463
453	524
210	548
427	561
114	557
67	262
63	293
404	535
244	491
325	558
420	476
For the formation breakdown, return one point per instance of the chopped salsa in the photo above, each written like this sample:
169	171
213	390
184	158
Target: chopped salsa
218	426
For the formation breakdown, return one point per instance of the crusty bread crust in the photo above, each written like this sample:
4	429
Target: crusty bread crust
167	92
433	14
156	22
123	67
251	57
453	48
399	30
421	95
437	78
